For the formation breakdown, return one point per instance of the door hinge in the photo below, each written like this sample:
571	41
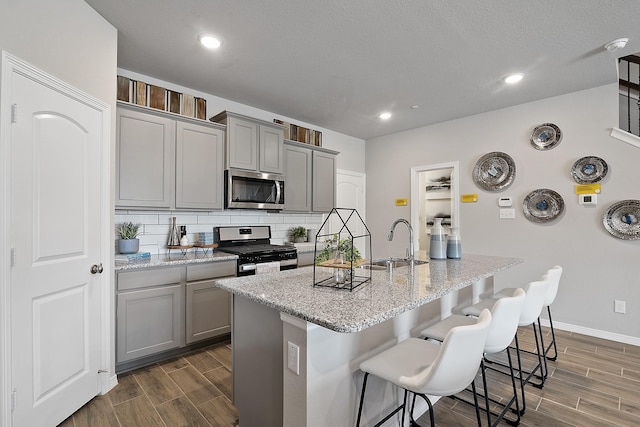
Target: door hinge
14	113
14	399
13	257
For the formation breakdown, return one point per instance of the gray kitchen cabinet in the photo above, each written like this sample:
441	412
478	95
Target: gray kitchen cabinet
144	159
150	312
199	166
208	308
252	144
310	178
323	195
166	162
298	173
305	258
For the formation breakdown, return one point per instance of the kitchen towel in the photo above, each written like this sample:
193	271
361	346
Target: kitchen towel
268	267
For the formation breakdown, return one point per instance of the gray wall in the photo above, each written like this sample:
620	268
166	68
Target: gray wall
65	38
598	267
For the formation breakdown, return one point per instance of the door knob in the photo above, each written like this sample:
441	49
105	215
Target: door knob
95	268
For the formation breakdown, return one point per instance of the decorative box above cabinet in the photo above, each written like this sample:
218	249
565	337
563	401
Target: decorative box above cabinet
167	163
252	144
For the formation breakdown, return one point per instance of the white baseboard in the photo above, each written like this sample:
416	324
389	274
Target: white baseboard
625	339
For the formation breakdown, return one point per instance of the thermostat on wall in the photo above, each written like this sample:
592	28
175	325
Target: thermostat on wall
505	201
588	199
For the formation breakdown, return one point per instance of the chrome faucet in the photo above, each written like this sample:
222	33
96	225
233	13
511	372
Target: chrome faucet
405	222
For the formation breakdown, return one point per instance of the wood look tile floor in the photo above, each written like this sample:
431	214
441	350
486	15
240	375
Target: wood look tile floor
594	382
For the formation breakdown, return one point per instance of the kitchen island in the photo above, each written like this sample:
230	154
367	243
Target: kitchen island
309	341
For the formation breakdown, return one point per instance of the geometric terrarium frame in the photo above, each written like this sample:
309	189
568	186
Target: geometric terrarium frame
336	254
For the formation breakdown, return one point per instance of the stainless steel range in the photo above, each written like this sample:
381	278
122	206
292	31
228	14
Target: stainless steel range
253	247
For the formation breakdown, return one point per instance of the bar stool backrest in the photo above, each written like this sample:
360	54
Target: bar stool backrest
553	274
534	301
505	319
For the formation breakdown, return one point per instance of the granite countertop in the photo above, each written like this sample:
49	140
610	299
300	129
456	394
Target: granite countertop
176	258
192	257
385	297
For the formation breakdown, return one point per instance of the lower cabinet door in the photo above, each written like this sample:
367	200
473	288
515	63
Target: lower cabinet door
208	311
149	321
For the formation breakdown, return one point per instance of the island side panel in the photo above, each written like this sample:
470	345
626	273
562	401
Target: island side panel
257	359
327	391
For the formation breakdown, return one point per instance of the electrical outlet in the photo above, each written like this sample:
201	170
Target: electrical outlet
293	357
507	213
619	306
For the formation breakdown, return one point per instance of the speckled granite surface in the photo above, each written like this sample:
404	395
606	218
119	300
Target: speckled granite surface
385	297
176	258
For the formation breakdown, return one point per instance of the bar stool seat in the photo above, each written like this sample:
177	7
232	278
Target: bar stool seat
427	368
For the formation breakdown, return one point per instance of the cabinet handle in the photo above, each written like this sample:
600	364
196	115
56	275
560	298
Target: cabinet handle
95	268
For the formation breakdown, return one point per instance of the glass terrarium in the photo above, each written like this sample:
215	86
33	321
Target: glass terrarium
343	244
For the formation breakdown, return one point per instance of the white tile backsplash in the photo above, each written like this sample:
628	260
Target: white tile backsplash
156	225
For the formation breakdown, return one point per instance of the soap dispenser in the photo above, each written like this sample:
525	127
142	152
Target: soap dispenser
437	242
454	247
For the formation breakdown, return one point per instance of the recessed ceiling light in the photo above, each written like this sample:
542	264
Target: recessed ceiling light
415	107
385	116
513	78
616	44
209	41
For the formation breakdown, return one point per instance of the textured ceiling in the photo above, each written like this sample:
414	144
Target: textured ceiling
338	64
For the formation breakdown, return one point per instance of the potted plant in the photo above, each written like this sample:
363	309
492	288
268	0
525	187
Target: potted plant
128	243
298	234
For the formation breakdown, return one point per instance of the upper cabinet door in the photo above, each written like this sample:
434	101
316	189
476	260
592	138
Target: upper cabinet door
199	167
144	158
324	182
271	149
243	144
297	186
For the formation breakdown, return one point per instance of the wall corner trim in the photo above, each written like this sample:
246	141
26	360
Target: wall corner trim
625	136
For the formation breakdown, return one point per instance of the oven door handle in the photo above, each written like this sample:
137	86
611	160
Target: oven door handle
251	267
247	267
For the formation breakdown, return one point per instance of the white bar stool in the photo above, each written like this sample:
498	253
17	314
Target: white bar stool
427	368
531	308
553	275
504	325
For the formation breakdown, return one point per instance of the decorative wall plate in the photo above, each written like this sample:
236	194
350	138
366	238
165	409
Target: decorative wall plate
589	169
543	205
622	219
546	136
494	171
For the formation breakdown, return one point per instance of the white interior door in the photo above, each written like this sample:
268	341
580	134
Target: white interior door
55	220
350	194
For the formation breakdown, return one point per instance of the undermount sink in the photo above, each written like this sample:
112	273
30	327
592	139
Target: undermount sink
390	263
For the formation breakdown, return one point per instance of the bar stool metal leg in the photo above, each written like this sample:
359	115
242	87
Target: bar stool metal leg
553	339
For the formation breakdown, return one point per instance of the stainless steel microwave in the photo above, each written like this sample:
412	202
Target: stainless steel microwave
253	190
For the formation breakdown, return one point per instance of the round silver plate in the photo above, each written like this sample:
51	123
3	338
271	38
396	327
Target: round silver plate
546	136
589	169
622	220
494	171
543	205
